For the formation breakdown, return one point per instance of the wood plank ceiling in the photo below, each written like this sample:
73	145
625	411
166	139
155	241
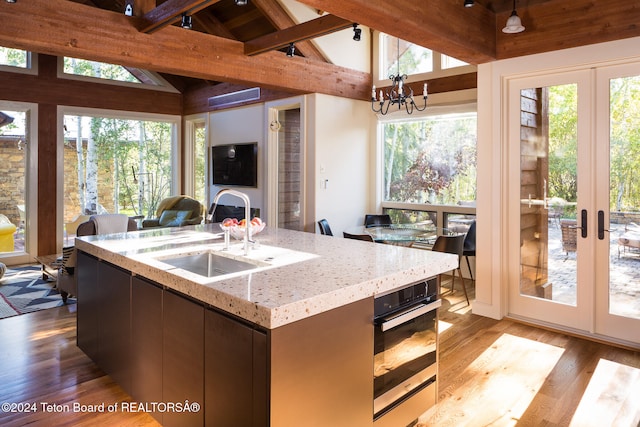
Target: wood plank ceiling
244	45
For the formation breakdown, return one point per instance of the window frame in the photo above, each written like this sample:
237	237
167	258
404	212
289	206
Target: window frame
442	210
31	67
176	162
438	71
161	86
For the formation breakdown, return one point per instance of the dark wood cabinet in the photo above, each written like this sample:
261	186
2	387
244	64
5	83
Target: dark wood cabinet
88	305
164	347
104	322
114	326
146	342
182	357
235	373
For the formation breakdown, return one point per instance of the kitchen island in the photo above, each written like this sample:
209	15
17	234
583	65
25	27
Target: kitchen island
287	341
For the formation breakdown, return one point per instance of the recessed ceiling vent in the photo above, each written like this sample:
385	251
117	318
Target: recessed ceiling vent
235	97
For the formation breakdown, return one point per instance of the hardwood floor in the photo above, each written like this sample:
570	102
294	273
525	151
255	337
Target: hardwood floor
491	373
504	373
41	366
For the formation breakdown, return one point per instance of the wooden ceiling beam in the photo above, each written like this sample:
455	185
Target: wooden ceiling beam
468	34
171	11
280	19
562	24
322	26
64	28
212	25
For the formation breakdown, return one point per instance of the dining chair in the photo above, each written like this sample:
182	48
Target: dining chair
469	247
452	244
364	237
371	220
323	224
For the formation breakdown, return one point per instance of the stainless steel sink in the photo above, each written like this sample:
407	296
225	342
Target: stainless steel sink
211	264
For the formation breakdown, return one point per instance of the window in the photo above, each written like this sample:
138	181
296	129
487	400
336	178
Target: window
14	57
451	62
413	59
100	70
74	68
430	159
117	165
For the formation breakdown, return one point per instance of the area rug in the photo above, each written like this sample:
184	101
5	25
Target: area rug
22	290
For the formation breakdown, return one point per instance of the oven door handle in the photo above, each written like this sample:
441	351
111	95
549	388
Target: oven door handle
407	315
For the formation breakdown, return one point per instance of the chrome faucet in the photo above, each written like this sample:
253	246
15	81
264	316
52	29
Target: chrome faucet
247	213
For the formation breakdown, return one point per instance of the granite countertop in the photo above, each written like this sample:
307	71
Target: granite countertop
307	273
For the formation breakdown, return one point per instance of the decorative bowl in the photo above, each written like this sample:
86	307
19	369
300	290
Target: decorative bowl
237	231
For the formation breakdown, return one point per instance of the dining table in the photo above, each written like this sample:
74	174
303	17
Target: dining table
409	234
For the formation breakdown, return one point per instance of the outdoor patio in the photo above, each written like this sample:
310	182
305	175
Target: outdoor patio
624	274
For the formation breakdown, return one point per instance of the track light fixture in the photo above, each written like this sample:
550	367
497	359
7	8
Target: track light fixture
186	21
12	1
241	2
357	33
469	3
291	50
514	25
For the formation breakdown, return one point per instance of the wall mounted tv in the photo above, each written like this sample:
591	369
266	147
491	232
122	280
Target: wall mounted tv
235	164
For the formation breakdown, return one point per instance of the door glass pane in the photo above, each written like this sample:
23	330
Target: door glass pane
548	192
13	168
290	186
624	197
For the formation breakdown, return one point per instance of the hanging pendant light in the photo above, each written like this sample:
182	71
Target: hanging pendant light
399	94
514	24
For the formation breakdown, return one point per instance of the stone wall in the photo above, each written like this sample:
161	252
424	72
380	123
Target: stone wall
12	181
12	178
624	217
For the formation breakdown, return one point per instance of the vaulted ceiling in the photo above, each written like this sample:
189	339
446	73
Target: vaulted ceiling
244	45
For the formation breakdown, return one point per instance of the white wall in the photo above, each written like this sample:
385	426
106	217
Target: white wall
492	204
342	141
338	47
340	144
239	125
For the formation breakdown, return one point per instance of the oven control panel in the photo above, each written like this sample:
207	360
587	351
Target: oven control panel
425	291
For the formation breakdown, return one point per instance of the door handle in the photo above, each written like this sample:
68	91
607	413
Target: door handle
583	223
601	228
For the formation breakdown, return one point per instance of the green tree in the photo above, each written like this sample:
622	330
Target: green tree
431	160
563	142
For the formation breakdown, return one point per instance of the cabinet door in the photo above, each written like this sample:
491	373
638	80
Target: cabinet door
146	342
183	358
235	373
114	328
88	305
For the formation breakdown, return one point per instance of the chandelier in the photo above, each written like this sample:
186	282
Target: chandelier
399	94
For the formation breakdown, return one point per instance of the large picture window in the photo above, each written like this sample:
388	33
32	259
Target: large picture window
116	165
430	159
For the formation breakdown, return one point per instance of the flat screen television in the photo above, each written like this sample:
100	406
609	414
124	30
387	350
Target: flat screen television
235	164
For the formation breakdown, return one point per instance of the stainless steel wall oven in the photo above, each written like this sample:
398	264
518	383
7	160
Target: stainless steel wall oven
405	351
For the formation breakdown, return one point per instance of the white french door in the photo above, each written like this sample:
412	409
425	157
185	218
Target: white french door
18	192
617	293
568	134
